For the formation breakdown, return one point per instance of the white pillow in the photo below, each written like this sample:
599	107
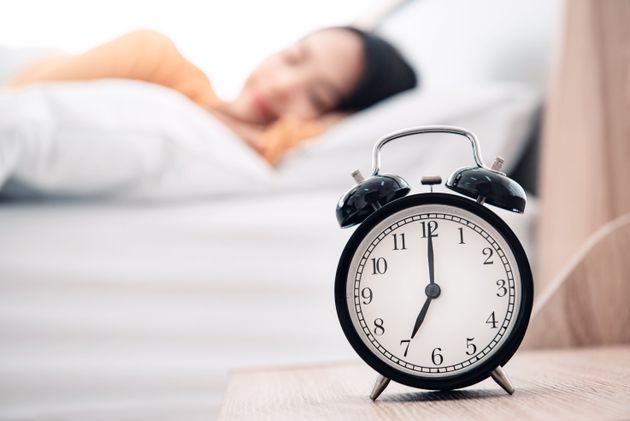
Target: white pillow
499	114
120	138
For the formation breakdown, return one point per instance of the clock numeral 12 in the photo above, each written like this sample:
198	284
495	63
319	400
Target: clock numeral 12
428	228
402	241
379	266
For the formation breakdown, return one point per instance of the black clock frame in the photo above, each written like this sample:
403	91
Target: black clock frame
455	381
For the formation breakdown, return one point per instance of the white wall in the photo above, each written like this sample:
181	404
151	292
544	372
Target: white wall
450	41
225	38
477	41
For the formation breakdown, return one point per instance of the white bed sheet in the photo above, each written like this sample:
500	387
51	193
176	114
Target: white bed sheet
118	311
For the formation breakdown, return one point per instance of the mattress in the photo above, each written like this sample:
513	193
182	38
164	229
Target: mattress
129	311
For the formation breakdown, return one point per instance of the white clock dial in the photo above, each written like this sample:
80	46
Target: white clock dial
474	295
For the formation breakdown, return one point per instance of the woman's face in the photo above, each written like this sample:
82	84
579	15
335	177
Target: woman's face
304	80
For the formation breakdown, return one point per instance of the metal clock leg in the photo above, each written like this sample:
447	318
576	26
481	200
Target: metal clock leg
499	376
379	386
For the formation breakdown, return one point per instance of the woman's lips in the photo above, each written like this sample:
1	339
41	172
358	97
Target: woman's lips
263	106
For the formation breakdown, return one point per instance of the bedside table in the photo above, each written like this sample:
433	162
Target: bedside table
575	384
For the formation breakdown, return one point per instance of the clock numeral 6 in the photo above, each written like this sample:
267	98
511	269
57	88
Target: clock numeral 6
405	343
502	288
366	293
471	348
379	266
436	357
487	252
492	321
379	330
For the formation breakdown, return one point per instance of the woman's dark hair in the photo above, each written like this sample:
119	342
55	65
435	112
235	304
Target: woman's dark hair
385	72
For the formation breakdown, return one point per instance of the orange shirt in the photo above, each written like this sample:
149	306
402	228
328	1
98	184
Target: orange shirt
152	57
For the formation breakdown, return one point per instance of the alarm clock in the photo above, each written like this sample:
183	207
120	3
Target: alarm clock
433	290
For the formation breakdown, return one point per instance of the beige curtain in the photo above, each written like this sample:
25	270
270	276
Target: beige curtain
583	277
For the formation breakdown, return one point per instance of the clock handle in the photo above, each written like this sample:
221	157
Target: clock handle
379	386
376	152
480	182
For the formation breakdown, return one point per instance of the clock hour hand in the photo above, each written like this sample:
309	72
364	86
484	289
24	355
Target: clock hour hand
432	291
421	316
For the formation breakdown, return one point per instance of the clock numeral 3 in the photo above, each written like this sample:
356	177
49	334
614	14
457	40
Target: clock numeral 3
471	348
436	357
487	252
492	321
366	293
406	343
399	241
379	330
428	228
502	289
379	266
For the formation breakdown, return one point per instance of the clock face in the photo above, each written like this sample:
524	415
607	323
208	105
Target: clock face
435	290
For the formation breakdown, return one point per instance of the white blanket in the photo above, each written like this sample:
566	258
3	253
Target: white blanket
128	139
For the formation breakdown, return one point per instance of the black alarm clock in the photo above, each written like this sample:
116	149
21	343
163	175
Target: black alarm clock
433	290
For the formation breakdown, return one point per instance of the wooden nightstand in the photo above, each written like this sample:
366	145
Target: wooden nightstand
576	384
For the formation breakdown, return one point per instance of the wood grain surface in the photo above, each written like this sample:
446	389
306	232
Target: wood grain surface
585	384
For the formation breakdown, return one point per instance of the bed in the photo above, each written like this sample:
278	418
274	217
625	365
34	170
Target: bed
135	304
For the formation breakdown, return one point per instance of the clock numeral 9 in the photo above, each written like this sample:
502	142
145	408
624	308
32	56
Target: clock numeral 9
399	238
436	357
406	342
502	288
492	321
471	348
487	252
428	228
379	266
379	330
366	293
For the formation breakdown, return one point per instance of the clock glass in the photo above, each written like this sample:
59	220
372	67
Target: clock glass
433	290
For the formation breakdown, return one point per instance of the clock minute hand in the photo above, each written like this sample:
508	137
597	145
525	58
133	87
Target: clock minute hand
432	290
430	257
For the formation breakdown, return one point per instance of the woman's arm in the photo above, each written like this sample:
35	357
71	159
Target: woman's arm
143	55
287	133
274	141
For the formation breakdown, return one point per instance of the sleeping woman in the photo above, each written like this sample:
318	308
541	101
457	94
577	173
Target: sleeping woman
293	95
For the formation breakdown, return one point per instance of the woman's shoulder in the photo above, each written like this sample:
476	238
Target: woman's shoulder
148	36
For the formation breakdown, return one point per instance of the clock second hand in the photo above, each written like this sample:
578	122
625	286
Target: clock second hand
432	290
